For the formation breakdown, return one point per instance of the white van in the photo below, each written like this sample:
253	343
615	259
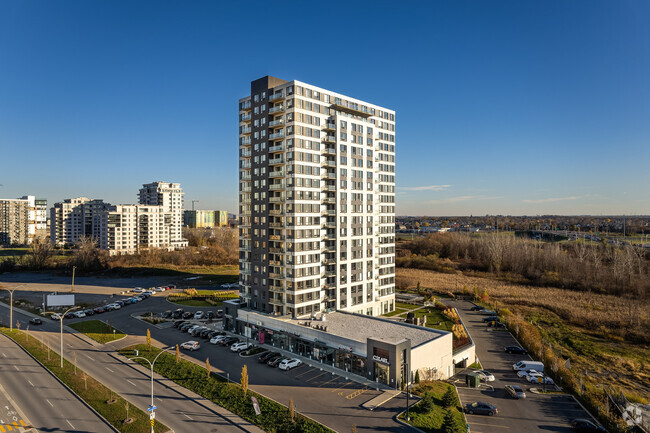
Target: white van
528	365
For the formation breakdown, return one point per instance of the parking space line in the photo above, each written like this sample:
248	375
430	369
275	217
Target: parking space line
315	377
329	381
341	387
356	393
308	370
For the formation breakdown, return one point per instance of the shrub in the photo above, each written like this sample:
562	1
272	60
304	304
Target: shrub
427	403
450	399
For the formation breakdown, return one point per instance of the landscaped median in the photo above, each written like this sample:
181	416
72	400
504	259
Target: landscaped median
438	411
98	331
274	417
202	298
108	404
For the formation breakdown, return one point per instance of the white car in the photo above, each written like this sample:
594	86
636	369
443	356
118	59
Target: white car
288	364
217	339
55	316
238	347
138	290
190	345
111	307
485	375
524	373
79	314
534	378
199	315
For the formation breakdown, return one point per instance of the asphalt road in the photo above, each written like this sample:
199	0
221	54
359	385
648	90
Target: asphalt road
30	390
536	413
330	399
179	409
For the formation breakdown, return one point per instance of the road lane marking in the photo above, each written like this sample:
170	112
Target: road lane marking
489	425
2	429
131	382
23	423
188	417
16	367
90	357
109	370
48	402
70	424
3	354
30	382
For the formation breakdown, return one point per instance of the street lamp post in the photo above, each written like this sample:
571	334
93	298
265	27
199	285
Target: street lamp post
61	320
73	269
408	384
151	364
11	305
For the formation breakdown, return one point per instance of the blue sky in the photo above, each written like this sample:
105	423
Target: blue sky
503	107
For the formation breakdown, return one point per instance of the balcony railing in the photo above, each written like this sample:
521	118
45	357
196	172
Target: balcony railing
246	117
276	276
327	163
245	105
246	153
276	289
329	139
276	186
276	212
330	126
278	173
330	150
276	135
246	176
275	96
276	225
277	148
276	122
246	141
276	199
246	130
276	161
276	109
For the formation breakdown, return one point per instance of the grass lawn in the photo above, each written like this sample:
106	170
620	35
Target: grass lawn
98	331
406	306
195	303
433	420
435	318
89	389
397	312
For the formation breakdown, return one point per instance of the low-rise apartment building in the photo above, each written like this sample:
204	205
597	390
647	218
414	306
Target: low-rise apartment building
205	218
128	229
74	218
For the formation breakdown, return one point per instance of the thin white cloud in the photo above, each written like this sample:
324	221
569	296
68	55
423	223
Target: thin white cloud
425	188
462	198
556	199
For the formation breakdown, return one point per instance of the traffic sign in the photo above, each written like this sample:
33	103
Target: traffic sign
152	408
152	415
152	422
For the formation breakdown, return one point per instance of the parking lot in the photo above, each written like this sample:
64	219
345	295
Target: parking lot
332	399
535	413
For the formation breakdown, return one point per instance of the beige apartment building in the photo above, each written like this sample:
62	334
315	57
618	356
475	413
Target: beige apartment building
170	197
74	218
316	201
17	221
128	229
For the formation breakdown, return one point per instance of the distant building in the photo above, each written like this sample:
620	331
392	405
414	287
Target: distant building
205	218
128	229
17	220
170	197
41	218
74	218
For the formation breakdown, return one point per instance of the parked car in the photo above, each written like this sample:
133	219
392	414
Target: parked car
485	375
210	315
69	316
274	362
89	312
56	316
198	315
229	341
35	321
178	323
583	425
213	334
188	315
515	391
288	364
528	365
481	408
98	310
477	308
524	373
238	347
193	328
497	325
167	314
177	314
219	314
516	349
539	378
264	357
197	331
190	345
488	312
491	319
171	286
185	326
138	290
205	333
217	339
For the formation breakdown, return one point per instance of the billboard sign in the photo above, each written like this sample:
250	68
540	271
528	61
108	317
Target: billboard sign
60	300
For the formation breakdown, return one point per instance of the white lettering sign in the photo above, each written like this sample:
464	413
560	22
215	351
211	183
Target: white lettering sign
379	359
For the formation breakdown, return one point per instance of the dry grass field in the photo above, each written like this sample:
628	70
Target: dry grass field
605	336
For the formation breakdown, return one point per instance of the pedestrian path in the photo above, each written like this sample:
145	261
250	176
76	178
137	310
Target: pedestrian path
381	399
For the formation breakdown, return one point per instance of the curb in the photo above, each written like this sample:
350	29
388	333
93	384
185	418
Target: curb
64	385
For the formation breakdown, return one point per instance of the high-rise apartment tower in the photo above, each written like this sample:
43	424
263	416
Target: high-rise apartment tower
170	197
316	201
